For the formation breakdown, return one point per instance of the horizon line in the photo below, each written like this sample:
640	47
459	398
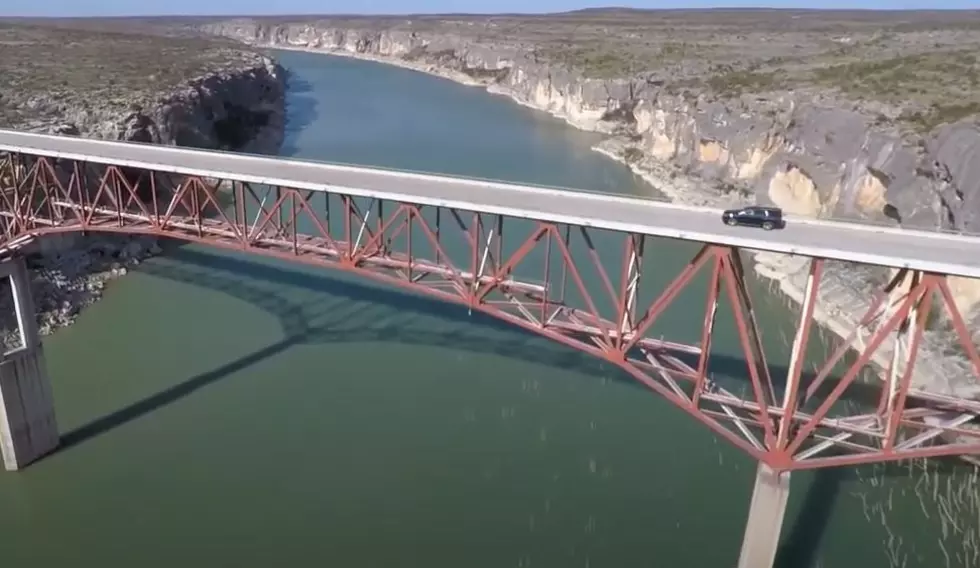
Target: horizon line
505	14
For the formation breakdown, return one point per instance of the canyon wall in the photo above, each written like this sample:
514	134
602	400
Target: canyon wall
238	106
234	109
811	153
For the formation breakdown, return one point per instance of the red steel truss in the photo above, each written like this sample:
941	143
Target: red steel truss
790	421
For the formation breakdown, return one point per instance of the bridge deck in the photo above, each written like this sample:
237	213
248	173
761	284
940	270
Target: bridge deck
921	250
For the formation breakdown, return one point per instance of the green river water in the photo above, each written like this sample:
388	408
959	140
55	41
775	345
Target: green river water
227	410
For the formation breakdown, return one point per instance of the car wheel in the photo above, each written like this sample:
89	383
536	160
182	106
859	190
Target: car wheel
768	226
731	222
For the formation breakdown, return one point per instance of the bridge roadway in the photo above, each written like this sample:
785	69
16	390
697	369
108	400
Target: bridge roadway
919	250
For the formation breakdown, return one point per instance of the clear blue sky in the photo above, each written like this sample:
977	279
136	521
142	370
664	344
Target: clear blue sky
216	7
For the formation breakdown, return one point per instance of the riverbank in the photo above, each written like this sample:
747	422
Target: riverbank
846	290
166	90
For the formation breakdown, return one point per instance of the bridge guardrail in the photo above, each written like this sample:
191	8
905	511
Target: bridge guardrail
839	222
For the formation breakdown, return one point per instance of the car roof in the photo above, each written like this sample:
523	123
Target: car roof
761	208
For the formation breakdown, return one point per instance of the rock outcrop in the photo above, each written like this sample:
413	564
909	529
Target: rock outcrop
233	109
235	102
812	152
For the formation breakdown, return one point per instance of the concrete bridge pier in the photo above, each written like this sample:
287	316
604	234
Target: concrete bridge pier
28	429
765	522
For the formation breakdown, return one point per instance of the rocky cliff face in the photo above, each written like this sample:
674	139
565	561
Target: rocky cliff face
230	110
233	102
807	151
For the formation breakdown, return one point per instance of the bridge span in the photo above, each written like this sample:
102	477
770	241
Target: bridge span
527	255
918	250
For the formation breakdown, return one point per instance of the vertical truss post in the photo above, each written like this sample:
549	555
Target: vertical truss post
116	194
438	235
241	211
293	220
409	252
363	227
326	214
749	337
707	329
629	285
498	257
279	211
380	223
8	181
791	392
476	231
348	226
7	174
900	348
483	258
906	348
546	301
566	239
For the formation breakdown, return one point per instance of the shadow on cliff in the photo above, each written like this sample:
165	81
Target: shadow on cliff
301	112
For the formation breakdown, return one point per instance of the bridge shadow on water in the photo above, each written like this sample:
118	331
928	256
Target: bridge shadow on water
353	312
356	312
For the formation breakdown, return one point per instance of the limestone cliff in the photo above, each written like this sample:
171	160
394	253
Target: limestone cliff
241	109
802	151
238	103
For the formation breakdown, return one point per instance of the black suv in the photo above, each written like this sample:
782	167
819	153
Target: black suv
768	218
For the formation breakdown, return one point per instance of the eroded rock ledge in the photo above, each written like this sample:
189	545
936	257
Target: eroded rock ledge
812	152
235	101
237	110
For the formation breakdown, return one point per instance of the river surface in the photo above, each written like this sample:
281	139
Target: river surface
225	410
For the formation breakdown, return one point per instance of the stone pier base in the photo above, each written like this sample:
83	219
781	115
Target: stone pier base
765	522
28	429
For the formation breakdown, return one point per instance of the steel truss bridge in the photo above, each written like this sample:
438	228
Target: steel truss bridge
581	269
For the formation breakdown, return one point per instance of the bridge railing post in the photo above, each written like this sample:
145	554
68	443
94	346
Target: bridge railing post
28	429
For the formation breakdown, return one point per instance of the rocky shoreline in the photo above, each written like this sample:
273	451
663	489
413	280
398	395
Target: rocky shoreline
666	143
238	104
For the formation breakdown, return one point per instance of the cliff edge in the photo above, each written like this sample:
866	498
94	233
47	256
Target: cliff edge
120	80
